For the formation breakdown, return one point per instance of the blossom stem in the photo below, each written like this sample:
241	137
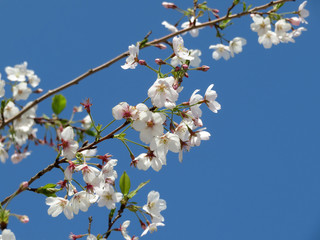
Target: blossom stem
135	143
107	125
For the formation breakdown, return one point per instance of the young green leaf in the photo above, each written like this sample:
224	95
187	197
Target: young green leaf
134	192
49	190
59	102
125	183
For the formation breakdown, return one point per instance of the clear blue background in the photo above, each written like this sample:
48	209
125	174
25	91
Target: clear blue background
259	175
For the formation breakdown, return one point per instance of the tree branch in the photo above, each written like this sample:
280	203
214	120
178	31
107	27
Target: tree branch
124	54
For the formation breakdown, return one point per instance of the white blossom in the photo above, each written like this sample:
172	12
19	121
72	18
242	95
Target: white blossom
149	125
197	136
155	205
89	173
21	91
152	227
18	157
303	13
10	110
18	72
297	32
2	85
7	235
169	26
210	99
235	46
131	61
86	122
162	93
70	146
178	47
33	80
81	201
124	231
282	27
3	153
260	24
195	105
59	205
124	110
193	32
268	39
147	160
220	51
162	144
196	60
108	197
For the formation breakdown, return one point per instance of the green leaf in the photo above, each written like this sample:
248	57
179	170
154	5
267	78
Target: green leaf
244	9
91	133
125	183
134	192
235	2
133	208
112	213
49	190
59	102
224	23
278	6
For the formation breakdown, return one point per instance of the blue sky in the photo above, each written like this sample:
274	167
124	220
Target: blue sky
259	175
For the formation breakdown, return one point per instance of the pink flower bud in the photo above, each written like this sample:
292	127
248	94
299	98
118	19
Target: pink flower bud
215	10
39	90
143	225
177	69
23	218
24	186
294	21
186	75
185	66
142	62
203	68
74	237
169	5
161	46
159	61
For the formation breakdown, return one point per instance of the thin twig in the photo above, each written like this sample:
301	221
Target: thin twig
124	54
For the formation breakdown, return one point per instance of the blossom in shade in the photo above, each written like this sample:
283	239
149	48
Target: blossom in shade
132	59
3	153
18	157
235	46
2	84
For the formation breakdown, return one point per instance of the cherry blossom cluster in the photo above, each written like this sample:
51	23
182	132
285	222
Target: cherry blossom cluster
164	122
282	33
164	93
21	130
